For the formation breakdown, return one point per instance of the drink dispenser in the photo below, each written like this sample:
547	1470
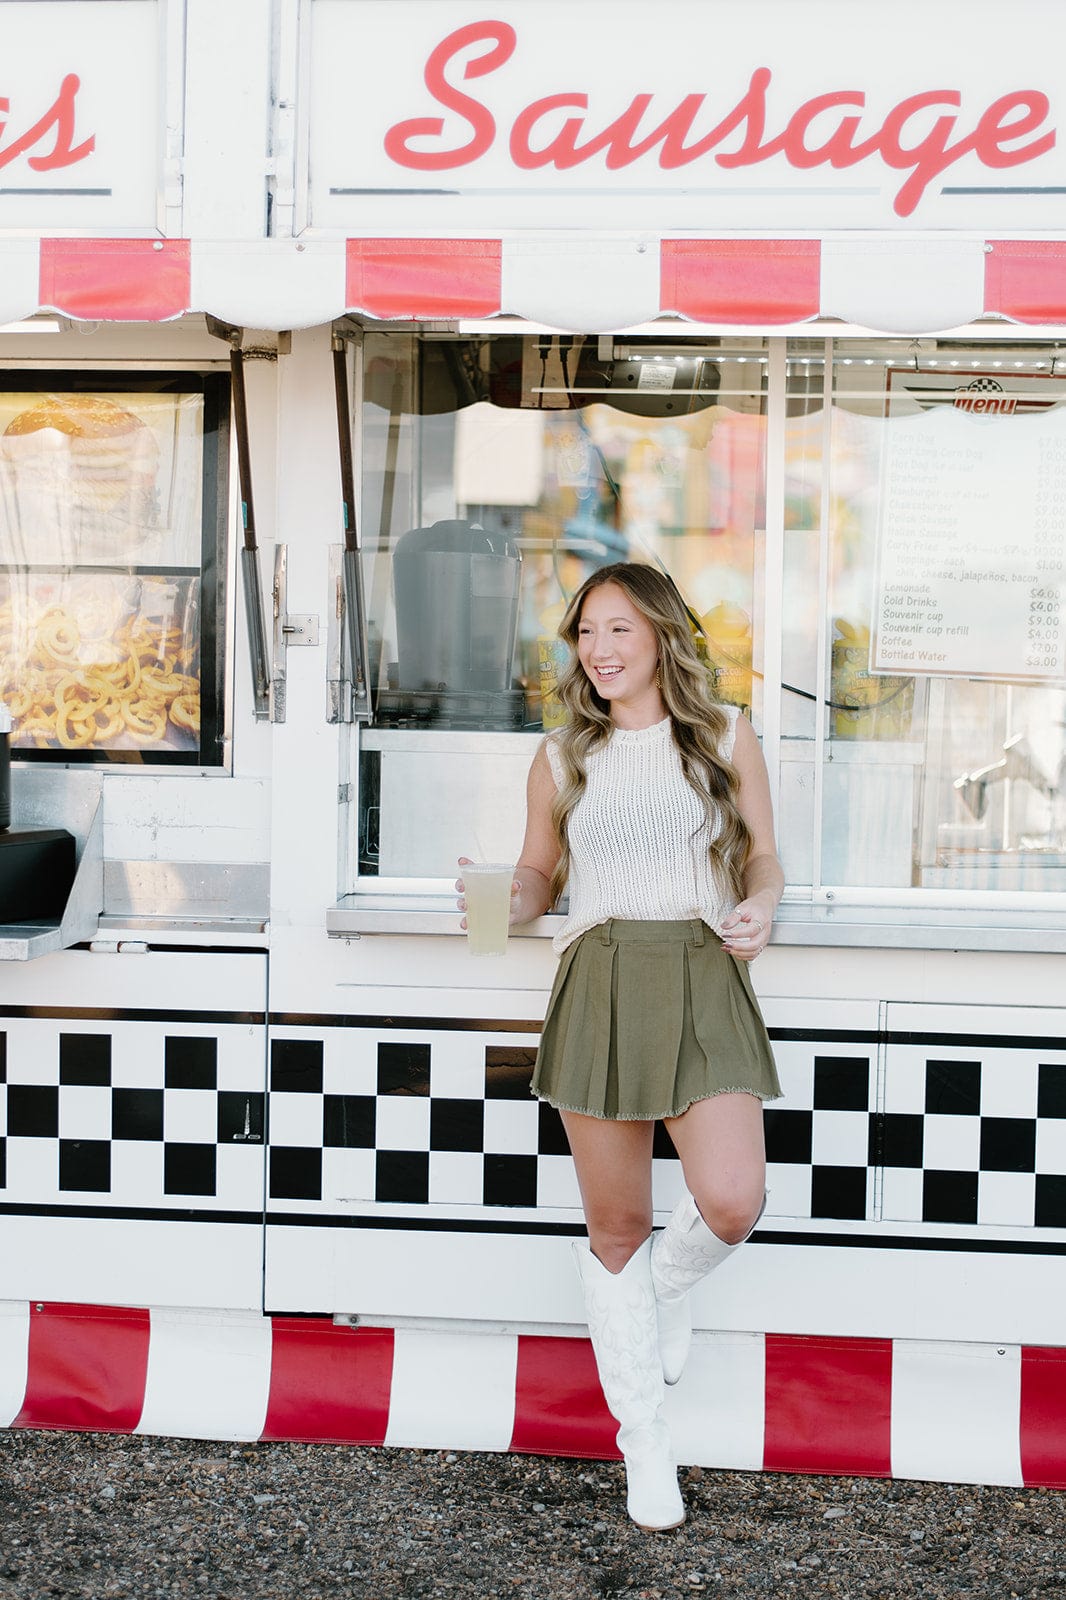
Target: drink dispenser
456	608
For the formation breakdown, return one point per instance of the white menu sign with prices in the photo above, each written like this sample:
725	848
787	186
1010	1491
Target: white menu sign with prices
971	574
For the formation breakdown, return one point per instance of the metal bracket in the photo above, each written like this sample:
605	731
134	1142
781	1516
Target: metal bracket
338	679
299	630
289	629
280	662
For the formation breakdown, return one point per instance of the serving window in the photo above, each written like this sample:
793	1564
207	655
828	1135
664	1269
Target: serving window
891	515
113	495
497	474
929	617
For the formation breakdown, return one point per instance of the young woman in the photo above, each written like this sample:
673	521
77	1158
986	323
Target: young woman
653	804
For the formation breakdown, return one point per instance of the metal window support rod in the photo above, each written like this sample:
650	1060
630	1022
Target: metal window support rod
355	628
255	615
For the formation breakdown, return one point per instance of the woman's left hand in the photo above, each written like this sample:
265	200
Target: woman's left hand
746	930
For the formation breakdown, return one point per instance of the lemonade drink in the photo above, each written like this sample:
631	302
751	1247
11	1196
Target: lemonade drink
487	887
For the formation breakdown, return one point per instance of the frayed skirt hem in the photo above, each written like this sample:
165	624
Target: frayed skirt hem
653	1116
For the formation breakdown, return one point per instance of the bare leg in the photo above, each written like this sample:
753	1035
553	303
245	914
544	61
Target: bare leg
720	1142
613	1161
723	1156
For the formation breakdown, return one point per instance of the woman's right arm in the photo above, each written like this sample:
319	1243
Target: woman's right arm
540	848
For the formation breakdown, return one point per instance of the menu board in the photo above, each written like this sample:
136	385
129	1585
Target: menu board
971	570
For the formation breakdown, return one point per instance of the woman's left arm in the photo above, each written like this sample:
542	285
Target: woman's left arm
746	931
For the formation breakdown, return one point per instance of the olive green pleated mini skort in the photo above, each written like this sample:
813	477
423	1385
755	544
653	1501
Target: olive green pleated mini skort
645	1018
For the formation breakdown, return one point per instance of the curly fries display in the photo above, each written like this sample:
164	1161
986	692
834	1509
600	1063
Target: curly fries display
76	676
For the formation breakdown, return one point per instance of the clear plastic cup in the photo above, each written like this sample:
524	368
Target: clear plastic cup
487	888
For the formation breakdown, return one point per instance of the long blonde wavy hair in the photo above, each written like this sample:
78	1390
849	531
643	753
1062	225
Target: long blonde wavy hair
697	721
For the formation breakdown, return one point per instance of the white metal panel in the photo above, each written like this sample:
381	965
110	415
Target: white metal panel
783	1008
405	975
451	1391
955	1410
436	807
171	817
208	1376
717	1411
227	111
778	161
892	1292
1024	1019
97	1261
88	78
388	1272
289	106
306	749
163	981
912	976
113	1136
795	1288
14	1358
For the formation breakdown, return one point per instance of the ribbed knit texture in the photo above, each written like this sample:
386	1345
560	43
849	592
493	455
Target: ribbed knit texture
639	835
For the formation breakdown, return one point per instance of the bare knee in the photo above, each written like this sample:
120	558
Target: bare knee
615	1237
730	1213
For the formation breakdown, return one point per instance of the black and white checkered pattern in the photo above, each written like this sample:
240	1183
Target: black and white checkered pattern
818	1136
140	1115
974	1137
149	1115
446	1120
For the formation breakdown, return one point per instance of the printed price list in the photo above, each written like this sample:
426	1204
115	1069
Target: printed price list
972	547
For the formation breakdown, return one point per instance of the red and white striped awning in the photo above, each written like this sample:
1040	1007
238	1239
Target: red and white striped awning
576	283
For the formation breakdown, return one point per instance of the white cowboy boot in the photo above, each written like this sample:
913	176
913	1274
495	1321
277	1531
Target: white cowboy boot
622	1325
683	1253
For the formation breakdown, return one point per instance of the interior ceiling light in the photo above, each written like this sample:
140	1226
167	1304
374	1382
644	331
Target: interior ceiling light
40	325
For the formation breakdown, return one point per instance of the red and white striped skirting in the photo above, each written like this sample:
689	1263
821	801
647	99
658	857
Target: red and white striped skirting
750	1402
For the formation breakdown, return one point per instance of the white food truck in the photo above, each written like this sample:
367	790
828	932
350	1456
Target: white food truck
341	340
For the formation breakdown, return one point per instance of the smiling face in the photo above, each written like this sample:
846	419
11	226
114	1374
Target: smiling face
619	651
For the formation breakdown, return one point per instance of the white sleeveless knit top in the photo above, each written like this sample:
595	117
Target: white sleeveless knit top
639	835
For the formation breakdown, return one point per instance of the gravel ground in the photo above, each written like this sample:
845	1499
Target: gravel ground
95	1515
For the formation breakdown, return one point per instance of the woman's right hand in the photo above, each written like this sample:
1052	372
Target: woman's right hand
516	890
460	887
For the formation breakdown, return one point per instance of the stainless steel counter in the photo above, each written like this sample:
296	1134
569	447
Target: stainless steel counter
871	927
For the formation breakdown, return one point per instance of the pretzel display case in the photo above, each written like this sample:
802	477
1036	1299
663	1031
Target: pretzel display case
112	508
